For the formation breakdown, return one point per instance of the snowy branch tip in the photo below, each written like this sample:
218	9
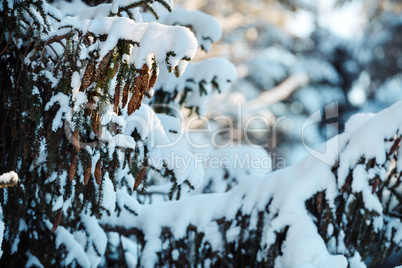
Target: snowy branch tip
8	179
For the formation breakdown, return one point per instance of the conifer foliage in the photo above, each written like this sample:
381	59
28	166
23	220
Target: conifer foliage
89	102
74	126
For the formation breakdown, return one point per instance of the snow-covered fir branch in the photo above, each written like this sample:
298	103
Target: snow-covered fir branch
8	179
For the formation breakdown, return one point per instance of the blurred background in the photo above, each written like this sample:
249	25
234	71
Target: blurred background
296	58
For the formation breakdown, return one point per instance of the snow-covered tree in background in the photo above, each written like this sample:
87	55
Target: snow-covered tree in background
92	101
313	53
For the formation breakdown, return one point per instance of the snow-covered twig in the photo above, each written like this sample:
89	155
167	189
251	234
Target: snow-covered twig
8	179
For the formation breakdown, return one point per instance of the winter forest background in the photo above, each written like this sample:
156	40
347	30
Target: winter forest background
147	133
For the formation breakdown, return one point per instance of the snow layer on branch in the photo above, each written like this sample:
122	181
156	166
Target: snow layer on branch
201	211
22	227
205	27
64	102
125	3
206	74
124	200
96	12
207	70
109	195
67	8
75	251
372	130
131	251
227	164
177	40
288	189
96	239
165	149
84	11
33	261
9	178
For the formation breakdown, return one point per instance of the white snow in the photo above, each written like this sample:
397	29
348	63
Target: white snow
131	251
177	39
213	70
288	188
22	227
64	102
108	193
97	239
33	261
75	252
206	28
58	204
9	178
